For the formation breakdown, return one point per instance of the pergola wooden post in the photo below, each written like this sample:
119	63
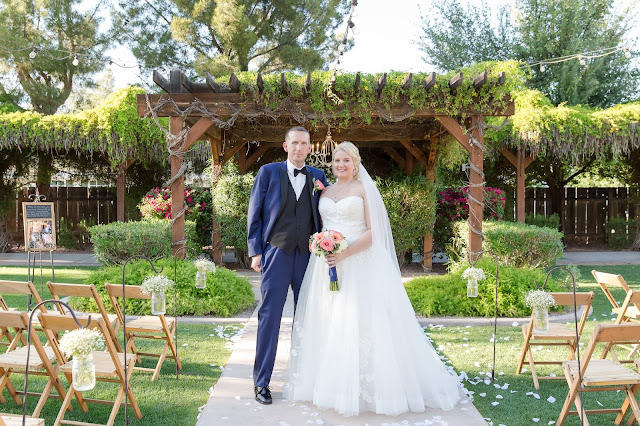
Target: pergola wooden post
520	161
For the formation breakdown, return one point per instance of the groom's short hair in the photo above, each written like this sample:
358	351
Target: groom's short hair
296	129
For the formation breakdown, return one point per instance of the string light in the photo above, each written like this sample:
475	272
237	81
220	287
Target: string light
75	60
33	53
581	57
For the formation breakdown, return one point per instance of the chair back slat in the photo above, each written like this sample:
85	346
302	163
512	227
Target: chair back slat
606	333
23	288
14	319
73	290
566	299
131	291
57	323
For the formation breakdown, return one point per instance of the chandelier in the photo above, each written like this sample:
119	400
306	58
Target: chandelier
322	152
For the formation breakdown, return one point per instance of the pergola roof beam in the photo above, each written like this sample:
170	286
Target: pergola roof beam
406	83
455	81
480	80
430	81
211	83
234	83
160	81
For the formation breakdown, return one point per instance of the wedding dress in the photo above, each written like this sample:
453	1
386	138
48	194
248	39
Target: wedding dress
361	348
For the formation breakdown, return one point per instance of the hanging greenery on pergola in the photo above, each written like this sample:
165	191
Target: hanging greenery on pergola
112	130
404	114
564	132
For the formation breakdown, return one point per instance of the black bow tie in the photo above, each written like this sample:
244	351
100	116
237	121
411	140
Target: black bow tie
297	171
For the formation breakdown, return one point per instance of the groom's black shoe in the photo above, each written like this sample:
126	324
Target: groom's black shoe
263	394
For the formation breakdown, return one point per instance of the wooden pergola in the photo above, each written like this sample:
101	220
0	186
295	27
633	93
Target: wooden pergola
409	136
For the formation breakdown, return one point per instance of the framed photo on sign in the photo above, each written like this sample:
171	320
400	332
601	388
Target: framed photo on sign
39	226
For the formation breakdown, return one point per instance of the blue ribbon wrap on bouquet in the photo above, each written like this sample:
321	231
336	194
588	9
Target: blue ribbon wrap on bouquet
333	279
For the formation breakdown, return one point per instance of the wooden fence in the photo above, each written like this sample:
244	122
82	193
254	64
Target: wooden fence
96	205
586	211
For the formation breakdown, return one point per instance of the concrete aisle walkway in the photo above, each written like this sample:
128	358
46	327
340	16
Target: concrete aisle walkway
232	401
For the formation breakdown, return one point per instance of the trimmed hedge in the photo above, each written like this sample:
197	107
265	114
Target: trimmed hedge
117	241
446	295
517	244
226	294
552	221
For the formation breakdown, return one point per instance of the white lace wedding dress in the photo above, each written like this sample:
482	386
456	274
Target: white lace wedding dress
361	348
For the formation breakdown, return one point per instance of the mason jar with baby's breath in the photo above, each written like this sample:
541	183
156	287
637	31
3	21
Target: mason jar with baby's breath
80	344
157	285
540	301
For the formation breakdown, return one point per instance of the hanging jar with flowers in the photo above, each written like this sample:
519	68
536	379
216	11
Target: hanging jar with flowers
540	301
203	266
80	344
157	285
473	275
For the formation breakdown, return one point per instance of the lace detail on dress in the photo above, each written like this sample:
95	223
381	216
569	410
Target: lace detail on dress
346	216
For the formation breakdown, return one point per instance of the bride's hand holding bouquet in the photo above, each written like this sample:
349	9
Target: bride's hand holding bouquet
329	243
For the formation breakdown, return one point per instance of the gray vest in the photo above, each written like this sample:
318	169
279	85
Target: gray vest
294	226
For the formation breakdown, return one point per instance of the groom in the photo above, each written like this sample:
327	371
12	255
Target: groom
283	214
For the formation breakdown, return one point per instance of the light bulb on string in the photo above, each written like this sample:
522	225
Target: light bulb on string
627	52
543	67
75	60
33	53
583	61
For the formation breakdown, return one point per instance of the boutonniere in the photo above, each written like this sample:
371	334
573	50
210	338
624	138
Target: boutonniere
317	185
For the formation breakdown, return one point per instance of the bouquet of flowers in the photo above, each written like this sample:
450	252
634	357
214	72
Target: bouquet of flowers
537	299
205	265
81	342
328	242
156	283
476	274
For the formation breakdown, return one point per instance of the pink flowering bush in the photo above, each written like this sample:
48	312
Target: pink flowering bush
156	204
452	207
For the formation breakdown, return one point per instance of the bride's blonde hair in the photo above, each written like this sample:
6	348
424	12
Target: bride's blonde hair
352	151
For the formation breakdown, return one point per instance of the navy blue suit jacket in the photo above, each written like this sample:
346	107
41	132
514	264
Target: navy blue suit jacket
266	202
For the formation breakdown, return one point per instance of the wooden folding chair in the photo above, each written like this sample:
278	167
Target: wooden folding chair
41	360
600	375
607	280
89	292
4	332
20	288
155	327
109	366
557	335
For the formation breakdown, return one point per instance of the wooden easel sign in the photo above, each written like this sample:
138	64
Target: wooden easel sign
39	226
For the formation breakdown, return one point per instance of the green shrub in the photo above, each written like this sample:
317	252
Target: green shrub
117	241
231	204
226	293
621	233
410	203
552	221
517	244
66	238
446	295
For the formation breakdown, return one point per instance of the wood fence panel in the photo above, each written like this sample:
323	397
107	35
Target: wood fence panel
568	222
96	205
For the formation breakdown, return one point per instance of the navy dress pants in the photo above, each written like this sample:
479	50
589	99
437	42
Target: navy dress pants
279	271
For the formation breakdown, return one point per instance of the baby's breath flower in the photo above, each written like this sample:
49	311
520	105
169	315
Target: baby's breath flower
156	283
539	299
205	265
81	342
473	274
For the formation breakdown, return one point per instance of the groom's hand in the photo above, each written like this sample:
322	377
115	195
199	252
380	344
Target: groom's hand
255	263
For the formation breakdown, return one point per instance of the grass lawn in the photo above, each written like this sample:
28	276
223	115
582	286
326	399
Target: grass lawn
510	400
203	348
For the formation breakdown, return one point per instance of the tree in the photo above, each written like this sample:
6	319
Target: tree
455	37
230	35
49	46
57	32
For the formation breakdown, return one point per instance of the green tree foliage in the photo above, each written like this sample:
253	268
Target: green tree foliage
60	30
456	37
227	35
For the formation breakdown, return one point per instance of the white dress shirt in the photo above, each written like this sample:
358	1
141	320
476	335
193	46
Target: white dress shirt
297	182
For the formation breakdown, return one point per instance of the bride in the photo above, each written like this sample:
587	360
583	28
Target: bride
361	348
